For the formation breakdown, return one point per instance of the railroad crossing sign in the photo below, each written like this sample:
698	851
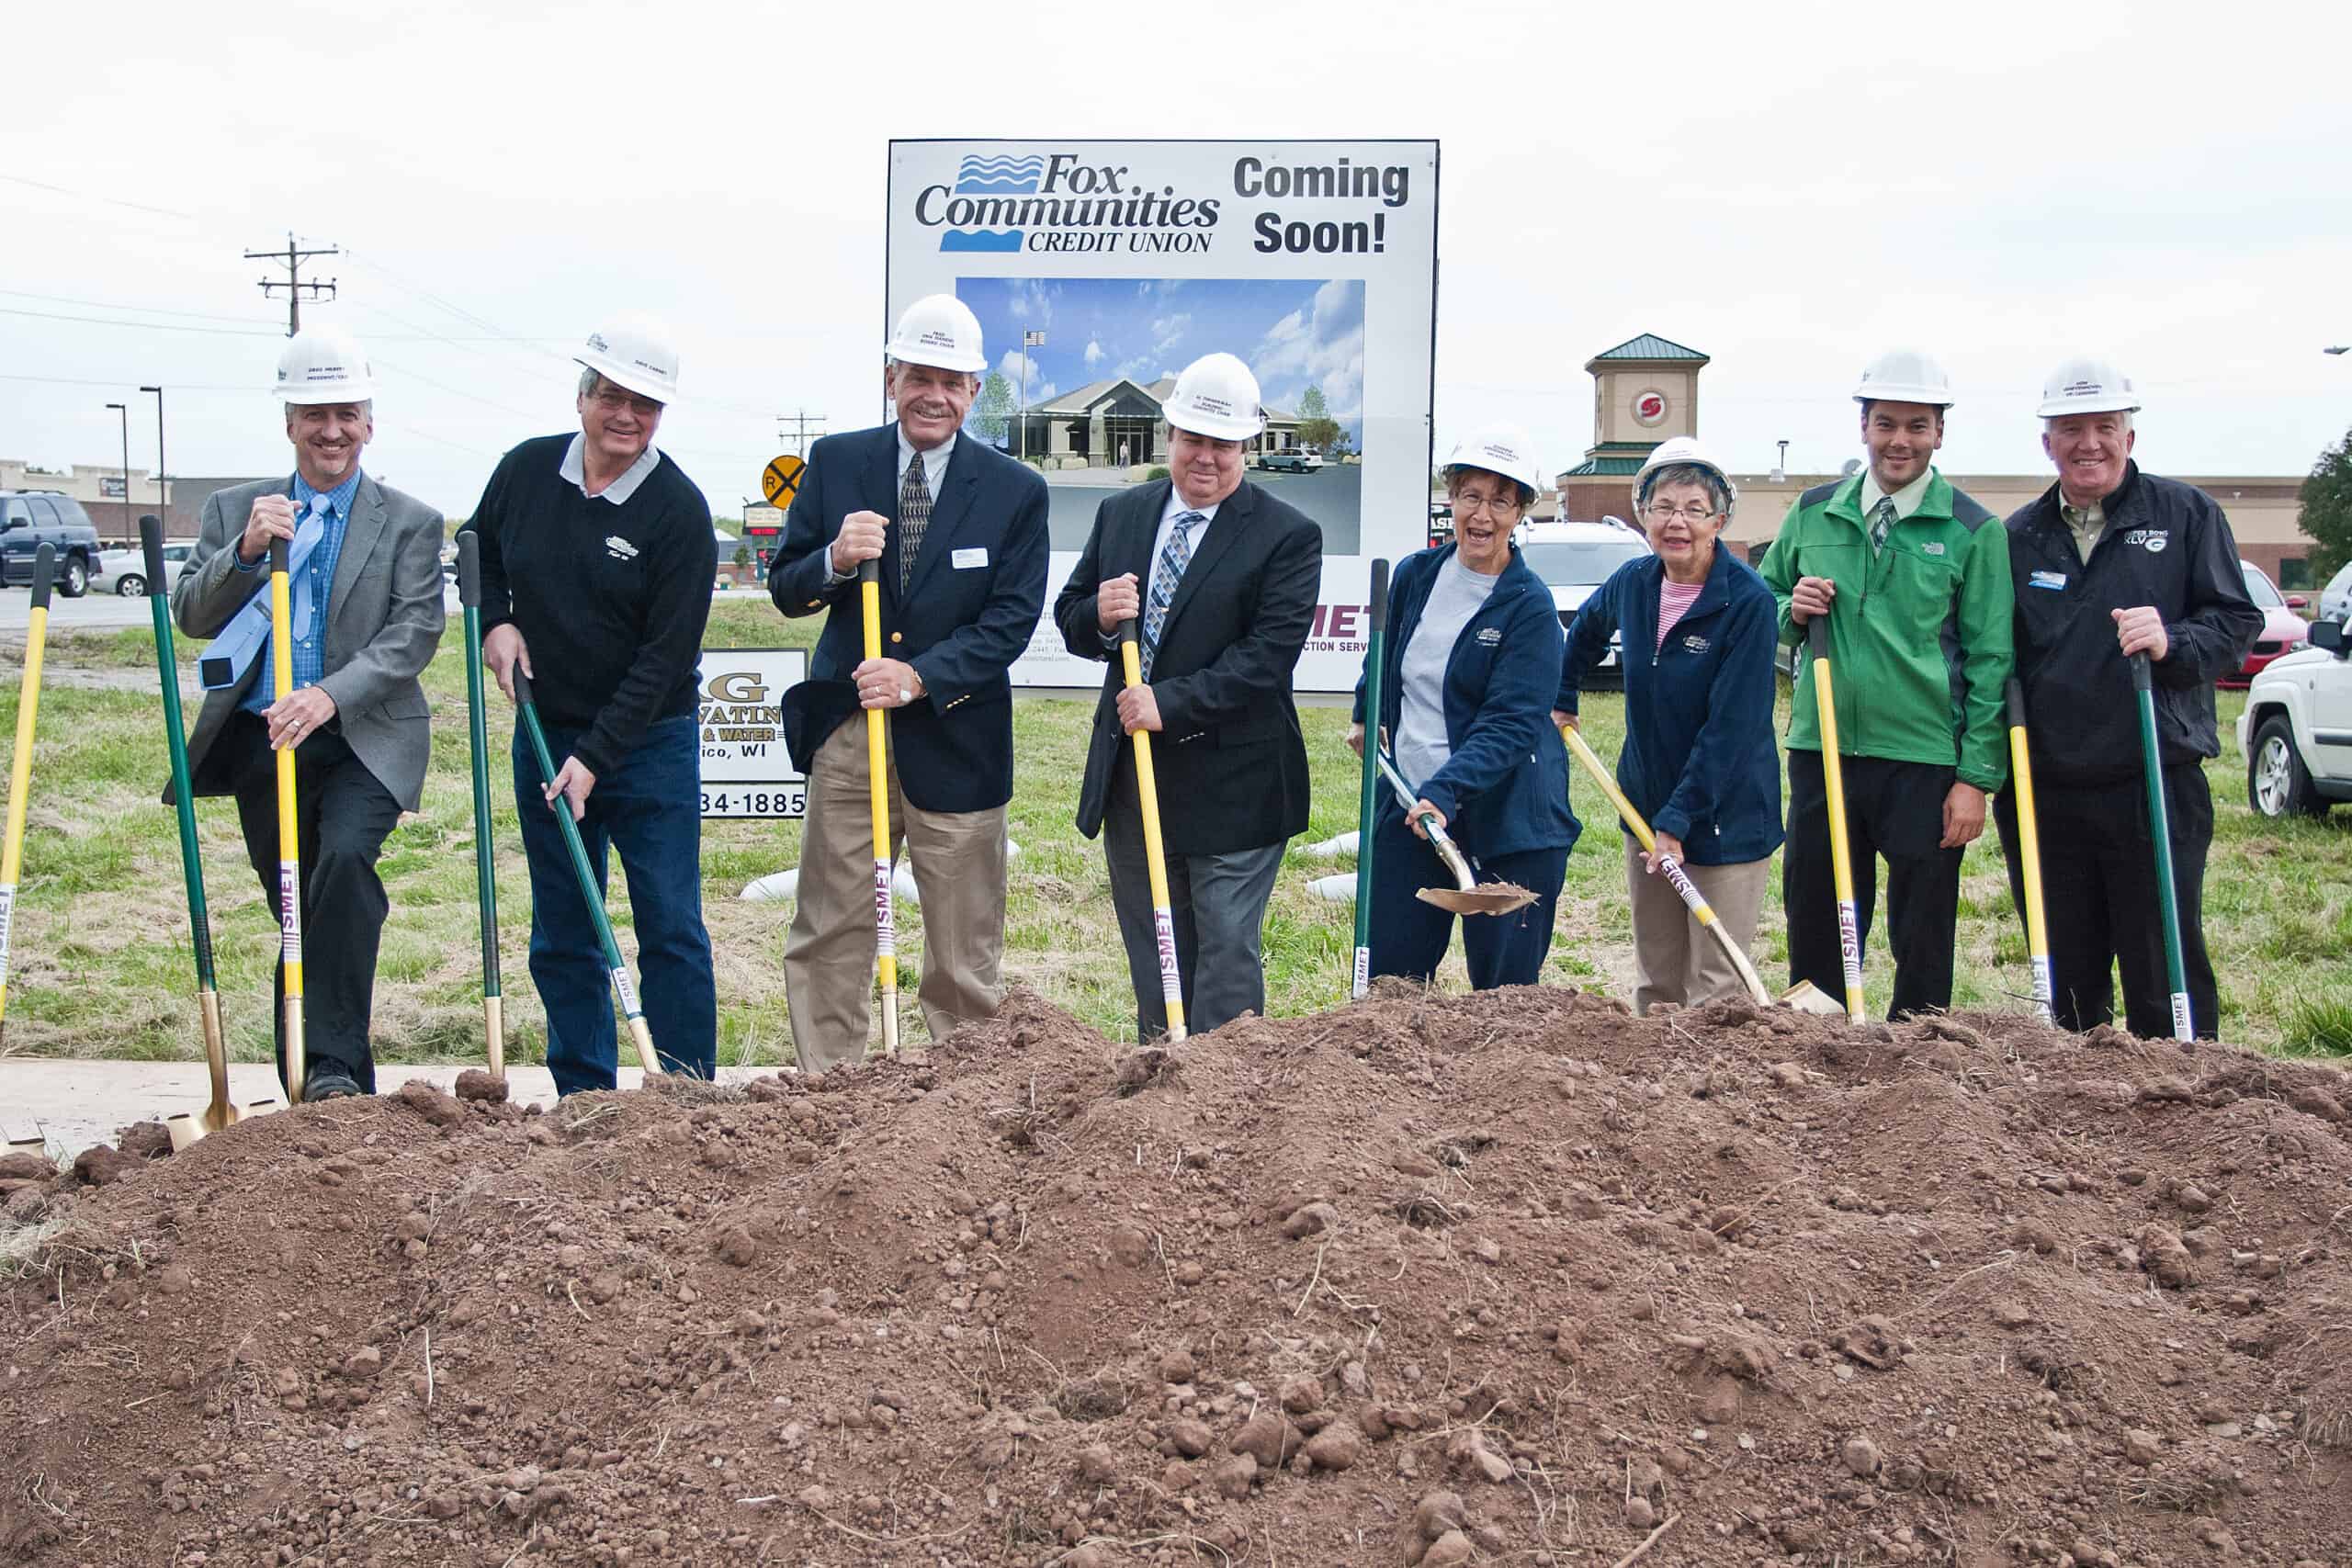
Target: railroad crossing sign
780	480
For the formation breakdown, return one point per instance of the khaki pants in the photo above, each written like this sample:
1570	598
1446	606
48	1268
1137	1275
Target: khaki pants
1675	960
957	859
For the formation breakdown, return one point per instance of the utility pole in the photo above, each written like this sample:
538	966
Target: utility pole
800	420
293	257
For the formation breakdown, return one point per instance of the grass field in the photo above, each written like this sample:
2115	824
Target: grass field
100	964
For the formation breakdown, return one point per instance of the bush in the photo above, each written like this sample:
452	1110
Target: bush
742	555
1158	471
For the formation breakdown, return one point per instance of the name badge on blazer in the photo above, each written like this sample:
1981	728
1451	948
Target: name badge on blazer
965	560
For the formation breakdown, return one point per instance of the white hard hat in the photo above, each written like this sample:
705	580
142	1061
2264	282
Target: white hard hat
1905	376
1217	397
1503	449
323	365
636	352
940	331
2084	385
1675	452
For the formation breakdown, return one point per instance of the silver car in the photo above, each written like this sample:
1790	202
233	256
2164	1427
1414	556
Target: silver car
125	571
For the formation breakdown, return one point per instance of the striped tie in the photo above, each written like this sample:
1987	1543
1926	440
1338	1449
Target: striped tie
1882	522
914	517
1164	579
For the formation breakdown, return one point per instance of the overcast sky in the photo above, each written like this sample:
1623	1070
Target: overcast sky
1788	188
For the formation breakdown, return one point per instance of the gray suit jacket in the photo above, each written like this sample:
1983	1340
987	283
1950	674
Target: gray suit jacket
384	619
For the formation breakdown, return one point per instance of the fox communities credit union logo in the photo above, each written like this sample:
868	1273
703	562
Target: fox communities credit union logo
992	176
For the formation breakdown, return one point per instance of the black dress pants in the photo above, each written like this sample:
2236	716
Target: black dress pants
1895	810
2099	894
343	816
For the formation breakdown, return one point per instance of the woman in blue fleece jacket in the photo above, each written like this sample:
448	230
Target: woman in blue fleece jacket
1466	685
1699	763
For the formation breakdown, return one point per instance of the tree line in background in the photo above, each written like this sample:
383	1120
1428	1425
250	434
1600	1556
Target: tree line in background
2328	509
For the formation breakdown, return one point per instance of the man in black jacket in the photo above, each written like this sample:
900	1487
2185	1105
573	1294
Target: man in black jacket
958	530
2110	562
1223	579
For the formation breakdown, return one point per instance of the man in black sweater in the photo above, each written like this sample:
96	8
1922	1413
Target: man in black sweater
597	557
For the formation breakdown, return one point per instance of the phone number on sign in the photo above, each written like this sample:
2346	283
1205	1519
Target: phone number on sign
791	800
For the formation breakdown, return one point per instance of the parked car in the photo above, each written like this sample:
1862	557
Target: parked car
2283	630
31	518
1290	460
125	571
1574	559
2297	728
2335	599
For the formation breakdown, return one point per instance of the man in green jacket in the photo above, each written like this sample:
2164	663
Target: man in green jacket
1914	577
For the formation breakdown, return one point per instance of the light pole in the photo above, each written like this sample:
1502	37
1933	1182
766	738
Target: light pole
162	495
1029	339
130	533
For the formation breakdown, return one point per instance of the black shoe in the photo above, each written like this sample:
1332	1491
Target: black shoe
329	1081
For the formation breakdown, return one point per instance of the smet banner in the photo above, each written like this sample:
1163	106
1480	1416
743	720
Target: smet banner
1100	269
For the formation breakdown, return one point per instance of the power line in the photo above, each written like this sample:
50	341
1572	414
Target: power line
151	326
110	305
294	258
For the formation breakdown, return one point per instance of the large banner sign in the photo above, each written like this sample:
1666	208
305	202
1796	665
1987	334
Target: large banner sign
1100	269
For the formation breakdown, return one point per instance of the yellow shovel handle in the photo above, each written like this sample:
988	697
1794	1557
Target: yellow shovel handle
290	844
1155	859
878	762
1841	856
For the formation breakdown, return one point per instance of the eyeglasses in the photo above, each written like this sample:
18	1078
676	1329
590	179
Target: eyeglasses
1495	506
612	401
1661	514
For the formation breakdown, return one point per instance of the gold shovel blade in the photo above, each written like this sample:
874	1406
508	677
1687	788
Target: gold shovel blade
1487	898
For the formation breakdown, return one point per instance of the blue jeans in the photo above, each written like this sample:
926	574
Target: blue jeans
650	808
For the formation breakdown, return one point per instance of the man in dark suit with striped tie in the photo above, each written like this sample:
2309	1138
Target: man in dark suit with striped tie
959	533
1223	578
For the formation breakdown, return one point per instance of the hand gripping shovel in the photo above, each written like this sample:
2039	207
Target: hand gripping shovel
637	1033
1474	897
2037	924
21	774
289	845
1370	797
1841	852
877	762
189	1125
1155	859
1701	910
485	857
2159	829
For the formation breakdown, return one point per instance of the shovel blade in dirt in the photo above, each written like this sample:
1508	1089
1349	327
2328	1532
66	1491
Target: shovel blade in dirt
1806	997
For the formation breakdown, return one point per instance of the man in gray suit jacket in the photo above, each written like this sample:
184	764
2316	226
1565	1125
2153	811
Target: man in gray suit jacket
368	614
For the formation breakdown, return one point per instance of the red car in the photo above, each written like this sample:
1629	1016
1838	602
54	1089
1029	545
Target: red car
2283	630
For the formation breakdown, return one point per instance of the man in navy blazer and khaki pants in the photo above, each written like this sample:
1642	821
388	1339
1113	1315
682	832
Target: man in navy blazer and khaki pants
1222	579
959	533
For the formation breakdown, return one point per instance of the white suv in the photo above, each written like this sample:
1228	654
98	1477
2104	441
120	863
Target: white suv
2297	728
1574	559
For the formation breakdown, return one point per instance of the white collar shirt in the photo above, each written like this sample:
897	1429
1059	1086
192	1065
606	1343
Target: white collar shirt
575	468
1177	506
1907	500
935	462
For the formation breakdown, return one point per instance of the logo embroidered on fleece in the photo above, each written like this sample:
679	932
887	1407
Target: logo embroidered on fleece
1933	546
2151	540
619	549
1694	643
1490	637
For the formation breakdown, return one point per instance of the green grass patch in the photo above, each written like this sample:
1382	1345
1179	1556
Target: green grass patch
101	961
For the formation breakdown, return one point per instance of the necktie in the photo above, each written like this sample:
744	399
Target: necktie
225	662
1882	522
1164	579
914	517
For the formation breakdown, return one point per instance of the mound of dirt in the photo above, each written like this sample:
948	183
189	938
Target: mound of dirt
1425	1282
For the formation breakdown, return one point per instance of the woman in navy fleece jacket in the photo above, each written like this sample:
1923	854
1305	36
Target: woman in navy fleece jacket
1466	685
1699	629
